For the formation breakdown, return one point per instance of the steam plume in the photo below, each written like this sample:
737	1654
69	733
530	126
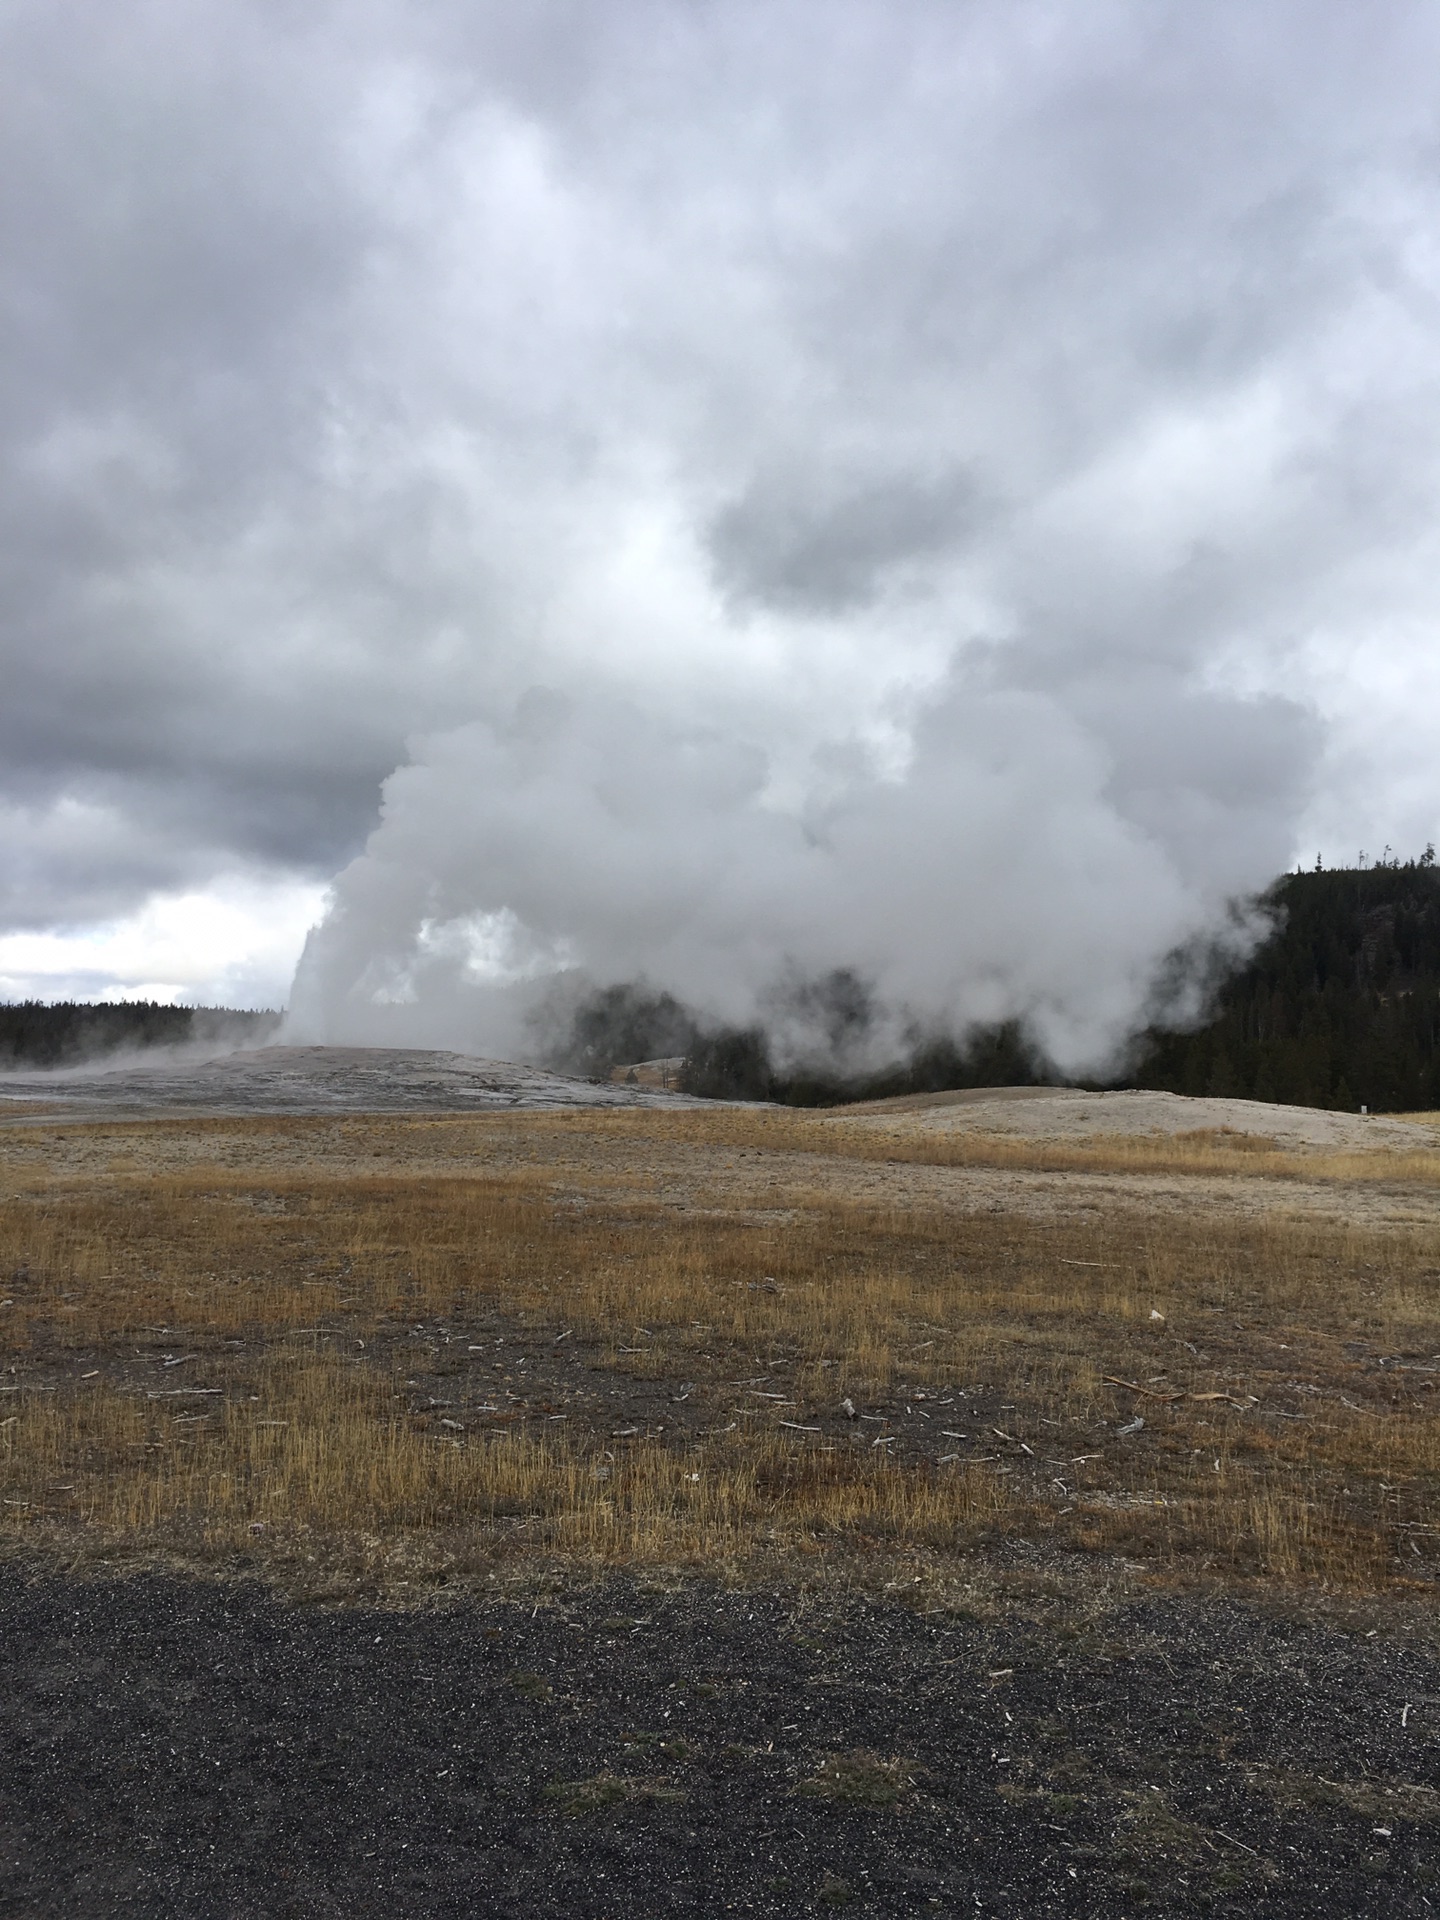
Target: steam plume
994	876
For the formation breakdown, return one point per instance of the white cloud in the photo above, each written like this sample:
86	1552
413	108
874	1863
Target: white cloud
234	943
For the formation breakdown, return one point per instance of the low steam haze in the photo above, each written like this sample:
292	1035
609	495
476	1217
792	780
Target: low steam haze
707	494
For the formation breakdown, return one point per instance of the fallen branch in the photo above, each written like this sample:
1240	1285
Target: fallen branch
1150	1393
1154	1393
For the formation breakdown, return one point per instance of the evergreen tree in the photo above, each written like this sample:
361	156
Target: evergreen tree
1341	1005
67	1033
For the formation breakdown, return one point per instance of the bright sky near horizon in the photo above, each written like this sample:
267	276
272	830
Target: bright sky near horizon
705	489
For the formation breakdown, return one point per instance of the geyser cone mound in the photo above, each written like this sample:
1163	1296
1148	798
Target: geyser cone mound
325	1080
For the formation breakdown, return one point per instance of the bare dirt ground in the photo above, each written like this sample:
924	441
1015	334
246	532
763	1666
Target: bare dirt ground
619	1750
1024	1503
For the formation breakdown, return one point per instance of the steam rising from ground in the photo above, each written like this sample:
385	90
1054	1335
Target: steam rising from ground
993	876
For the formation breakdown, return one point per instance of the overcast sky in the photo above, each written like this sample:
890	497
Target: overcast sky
708	490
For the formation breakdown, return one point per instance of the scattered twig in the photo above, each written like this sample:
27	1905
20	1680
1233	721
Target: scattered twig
1236	1843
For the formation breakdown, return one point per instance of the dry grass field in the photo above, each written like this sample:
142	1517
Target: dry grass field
375	1350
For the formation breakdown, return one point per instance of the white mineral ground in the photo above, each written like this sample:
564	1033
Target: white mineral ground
306	1080
320	1080
1066	1113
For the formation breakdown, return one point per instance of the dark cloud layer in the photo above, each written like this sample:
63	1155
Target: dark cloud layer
1001	429
801	543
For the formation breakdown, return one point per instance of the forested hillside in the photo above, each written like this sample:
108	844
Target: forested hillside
1339	1008
33	1034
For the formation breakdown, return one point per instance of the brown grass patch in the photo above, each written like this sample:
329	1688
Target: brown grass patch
349	1340
1392	1800
859	1779
604	1791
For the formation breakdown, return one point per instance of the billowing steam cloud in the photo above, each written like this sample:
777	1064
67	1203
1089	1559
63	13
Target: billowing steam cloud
752	489
994	874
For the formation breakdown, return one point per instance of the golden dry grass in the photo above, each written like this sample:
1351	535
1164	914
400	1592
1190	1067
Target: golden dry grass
1205	1150
227	1335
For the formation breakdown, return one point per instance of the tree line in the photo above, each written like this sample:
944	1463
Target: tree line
34	1033
1339	1006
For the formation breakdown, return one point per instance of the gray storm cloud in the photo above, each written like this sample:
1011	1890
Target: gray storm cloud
715	492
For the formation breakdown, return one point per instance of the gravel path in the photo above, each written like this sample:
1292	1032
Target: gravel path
197	1749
